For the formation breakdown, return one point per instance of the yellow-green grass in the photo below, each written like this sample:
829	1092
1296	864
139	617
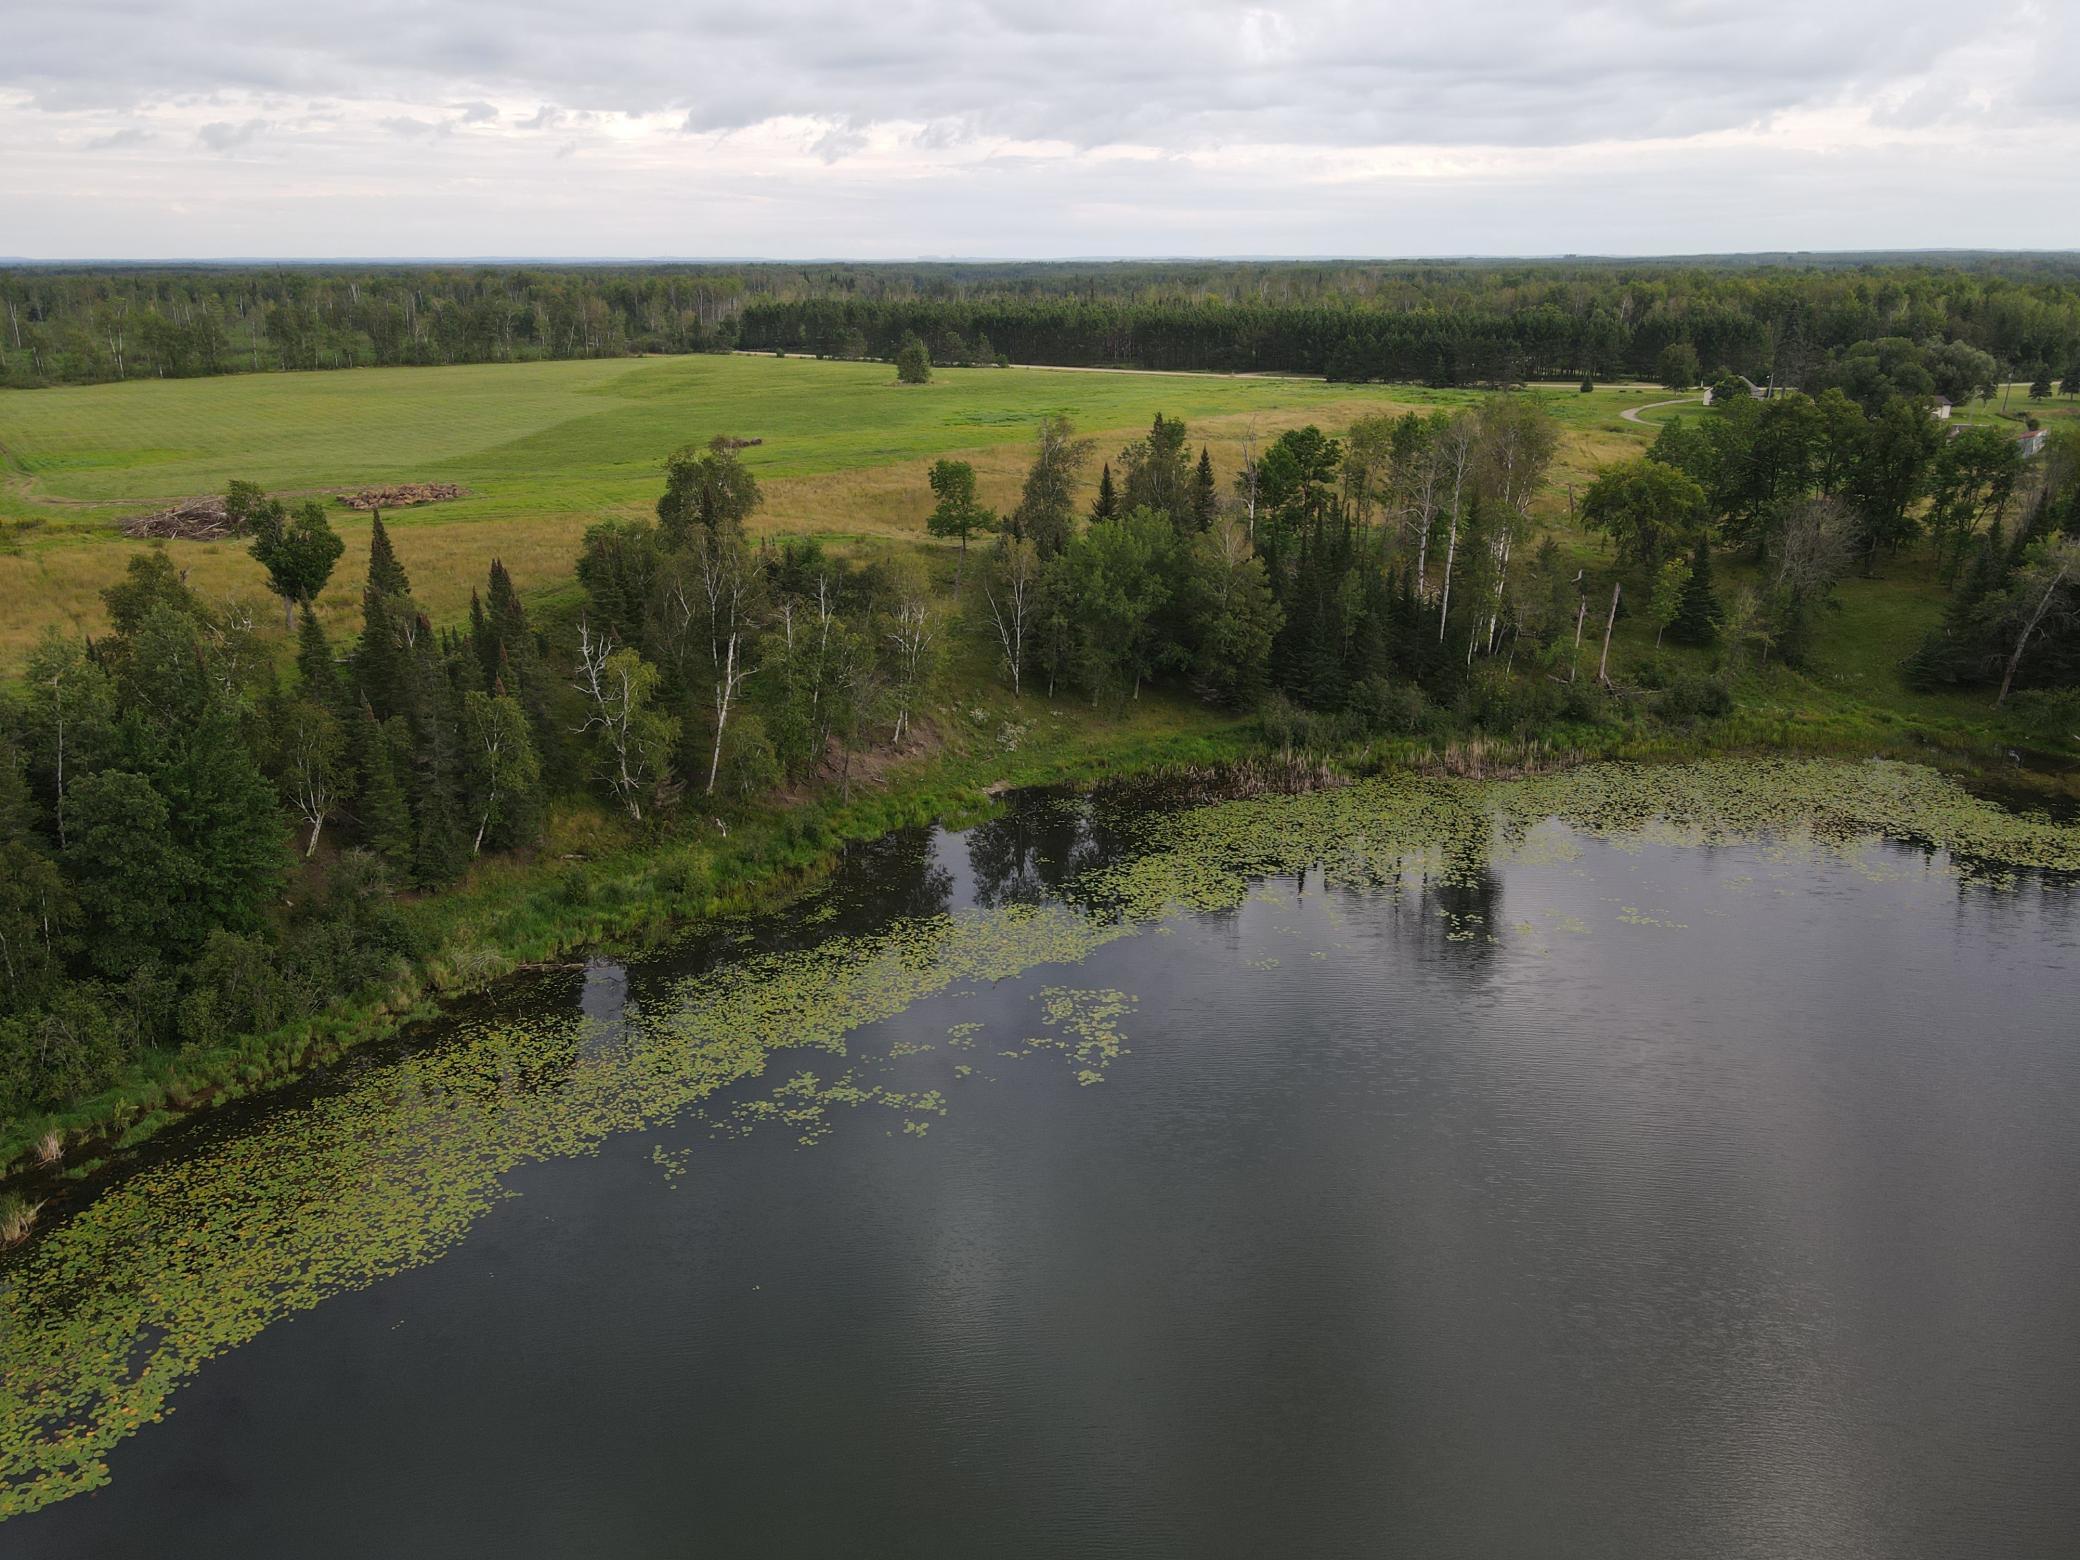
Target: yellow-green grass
545	449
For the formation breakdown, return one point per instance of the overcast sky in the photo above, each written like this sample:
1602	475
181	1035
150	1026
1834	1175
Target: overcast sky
894	128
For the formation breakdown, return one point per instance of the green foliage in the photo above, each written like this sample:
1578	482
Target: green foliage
1649	509
1677	366
1697	613
913	363
298	551
1046	513
710	488
956	514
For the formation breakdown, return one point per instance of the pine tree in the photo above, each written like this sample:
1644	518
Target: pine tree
482	645
1107	506
383	659
385	573
440	840
1697	621
315	666
1205	496
382	815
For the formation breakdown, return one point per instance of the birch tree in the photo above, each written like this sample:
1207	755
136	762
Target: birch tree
634	739
310	750
505	774
1458	446
1011	589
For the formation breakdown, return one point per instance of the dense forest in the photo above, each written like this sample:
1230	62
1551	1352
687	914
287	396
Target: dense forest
1446	323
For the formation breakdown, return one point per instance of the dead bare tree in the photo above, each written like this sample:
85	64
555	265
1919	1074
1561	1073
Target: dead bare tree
2042	589
1603	667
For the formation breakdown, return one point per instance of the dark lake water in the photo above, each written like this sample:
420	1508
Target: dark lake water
1727	1205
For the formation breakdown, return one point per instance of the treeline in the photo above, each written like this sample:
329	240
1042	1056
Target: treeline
1470	323
72	326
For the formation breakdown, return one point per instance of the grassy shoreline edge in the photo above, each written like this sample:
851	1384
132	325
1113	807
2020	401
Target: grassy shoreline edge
510	915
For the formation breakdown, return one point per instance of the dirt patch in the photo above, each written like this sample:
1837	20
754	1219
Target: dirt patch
402	495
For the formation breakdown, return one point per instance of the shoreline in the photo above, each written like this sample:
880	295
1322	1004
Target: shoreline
641	895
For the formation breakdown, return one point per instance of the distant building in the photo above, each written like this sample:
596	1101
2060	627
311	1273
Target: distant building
1940	411
2032	443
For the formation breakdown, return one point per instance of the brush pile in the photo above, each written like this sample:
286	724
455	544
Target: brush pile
191	520
401	495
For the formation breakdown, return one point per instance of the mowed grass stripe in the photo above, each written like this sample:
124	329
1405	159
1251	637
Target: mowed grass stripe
547	448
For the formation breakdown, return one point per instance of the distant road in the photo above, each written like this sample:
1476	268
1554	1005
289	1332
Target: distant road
1631	413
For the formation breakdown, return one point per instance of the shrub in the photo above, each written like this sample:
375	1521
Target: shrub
1691	699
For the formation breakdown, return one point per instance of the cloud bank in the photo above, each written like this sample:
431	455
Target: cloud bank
376	127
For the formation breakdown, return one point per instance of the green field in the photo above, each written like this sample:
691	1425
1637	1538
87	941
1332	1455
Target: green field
547	448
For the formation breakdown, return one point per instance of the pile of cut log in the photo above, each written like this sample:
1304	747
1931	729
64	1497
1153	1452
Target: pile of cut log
401	495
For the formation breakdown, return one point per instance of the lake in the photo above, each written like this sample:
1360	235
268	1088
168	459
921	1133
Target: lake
1629	1163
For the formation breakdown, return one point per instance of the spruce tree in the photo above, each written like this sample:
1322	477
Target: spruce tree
382	814
1697	620
440	841
382	661
315	666
385	572
1204	494
1107	506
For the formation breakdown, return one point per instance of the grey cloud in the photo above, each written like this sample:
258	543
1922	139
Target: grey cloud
475	114
221	135
411	129
1181	76
130	135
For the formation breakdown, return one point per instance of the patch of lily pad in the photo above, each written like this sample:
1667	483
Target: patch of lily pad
103	1317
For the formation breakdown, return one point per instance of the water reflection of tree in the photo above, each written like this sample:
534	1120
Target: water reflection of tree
1466	895
879	880
1027	855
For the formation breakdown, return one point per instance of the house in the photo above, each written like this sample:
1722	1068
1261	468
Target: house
2032	443
1939	409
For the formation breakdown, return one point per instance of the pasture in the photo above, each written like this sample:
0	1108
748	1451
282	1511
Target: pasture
546	449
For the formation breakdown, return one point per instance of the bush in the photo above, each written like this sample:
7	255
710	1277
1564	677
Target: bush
2047	717
237	988
1688	700
1379	707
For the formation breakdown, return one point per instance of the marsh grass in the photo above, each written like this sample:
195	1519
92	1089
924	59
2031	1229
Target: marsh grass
17	1218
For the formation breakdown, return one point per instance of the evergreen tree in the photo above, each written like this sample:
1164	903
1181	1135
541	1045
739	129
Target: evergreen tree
913	362
385	572
518	660
1107	505
382	813
316	670
1205	496
1697	620
389	621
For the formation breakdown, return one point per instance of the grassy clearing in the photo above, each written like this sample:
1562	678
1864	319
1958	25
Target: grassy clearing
547	448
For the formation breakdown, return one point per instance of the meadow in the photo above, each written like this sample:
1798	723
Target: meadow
546	449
